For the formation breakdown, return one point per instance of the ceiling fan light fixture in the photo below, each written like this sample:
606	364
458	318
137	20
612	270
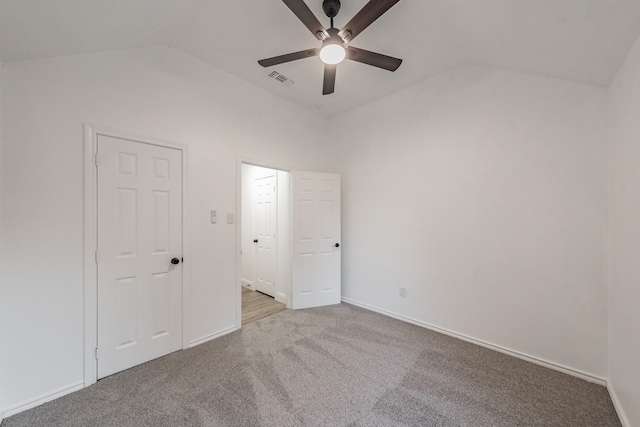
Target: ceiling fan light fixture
332	53
333	48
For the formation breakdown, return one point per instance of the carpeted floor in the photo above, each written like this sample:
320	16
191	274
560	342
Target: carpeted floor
331	366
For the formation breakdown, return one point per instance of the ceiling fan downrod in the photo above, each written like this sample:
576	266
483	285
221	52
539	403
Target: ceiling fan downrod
331	9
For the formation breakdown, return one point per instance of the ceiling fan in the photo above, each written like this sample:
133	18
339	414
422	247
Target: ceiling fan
334	42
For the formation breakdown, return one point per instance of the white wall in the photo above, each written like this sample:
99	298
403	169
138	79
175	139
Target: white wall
624	243
157	93
483	193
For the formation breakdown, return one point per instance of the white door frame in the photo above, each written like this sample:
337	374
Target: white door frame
90	242
247	161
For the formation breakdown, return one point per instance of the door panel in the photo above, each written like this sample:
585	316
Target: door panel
265	225
316	231
139	232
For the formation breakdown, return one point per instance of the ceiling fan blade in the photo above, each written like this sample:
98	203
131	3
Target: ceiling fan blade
269	62
371	58
329	83
367	15
304	14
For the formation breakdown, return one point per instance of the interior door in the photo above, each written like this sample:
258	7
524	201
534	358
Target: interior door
265	226
315	267
139	253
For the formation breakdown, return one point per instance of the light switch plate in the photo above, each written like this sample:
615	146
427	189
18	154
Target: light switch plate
231	218
214	217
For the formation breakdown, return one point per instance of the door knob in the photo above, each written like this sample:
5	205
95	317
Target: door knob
337	245
255	240
175	261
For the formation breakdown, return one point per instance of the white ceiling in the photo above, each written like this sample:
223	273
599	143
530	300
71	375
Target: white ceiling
579	40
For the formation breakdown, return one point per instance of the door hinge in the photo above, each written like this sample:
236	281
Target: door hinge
96	353
96	159
97	256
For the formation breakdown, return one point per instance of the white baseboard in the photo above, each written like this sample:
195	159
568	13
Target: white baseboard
616	404
519	355
212	337
47	397
43	398
281	297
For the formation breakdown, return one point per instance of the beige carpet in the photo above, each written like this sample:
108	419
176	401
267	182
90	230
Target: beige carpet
332	366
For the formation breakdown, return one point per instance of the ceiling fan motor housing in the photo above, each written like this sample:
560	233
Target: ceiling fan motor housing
331	7
333	38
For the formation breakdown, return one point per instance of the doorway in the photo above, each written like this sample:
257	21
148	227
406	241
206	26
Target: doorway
134	278
140	251
265	231
307	247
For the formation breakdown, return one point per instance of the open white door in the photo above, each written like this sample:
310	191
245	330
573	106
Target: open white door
315	267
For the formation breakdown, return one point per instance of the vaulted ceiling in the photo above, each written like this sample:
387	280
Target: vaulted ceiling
578	40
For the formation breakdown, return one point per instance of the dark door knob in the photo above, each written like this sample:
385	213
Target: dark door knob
175	261
255	240
337	245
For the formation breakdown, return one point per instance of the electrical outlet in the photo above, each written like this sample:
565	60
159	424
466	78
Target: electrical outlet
403	292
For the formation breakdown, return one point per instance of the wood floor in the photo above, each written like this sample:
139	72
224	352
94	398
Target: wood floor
256	306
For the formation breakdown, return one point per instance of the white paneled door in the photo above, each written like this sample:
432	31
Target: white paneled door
315	267
139	253
265	226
